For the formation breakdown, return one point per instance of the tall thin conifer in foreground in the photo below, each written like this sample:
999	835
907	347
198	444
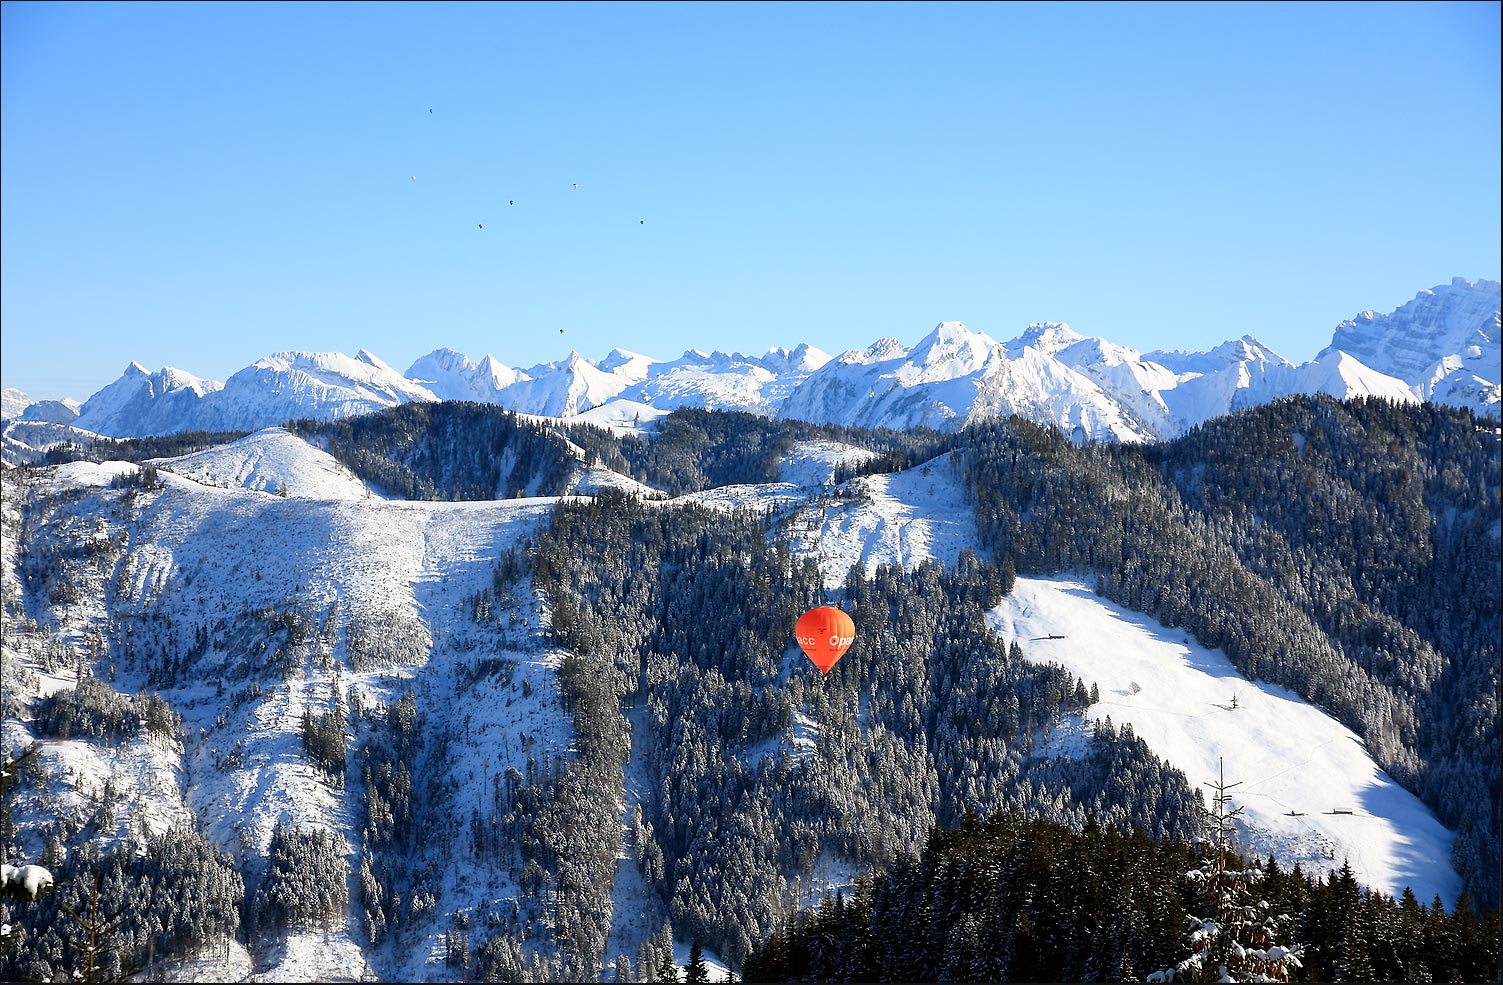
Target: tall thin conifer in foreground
1237	939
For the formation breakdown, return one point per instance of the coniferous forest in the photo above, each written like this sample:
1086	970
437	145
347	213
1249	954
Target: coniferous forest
1012	899
1347	551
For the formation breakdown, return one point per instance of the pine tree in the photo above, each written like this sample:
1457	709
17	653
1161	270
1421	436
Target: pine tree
23	882
1236	941
98	941
695	972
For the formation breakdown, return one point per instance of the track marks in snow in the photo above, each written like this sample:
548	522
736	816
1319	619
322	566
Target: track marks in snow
1287	754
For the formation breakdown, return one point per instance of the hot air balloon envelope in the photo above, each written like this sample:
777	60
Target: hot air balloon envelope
824	634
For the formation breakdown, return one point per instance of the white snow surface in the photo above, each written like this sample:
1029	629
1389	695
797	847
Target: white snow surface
621	417
51	411
269	461
813	463
201	552
451	375
27	442
1287	755
901	518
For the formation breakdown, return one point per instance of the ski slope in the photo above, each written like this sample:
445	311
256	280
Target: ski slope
1296	765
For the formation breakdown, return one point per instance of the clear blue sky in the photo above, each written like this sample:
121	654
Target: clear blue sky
202	185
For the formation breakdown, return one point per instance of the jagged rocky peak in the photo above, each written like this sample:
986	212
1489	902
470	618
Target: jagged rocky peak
1457	319
802	358
1047	337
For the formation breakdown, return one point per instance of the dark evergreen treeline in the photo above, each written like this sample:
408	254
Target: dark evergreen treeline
140	449
454	450
180	893
1015	899
759	766
1347	551
307	880
468	451
95	709
693	449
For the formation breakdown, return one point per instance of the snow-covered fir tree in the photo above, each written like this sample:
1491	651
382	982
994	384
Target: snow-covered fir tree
1236	940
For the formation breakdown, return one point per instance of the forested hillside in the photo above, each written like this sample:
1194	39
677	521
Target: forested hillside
1348	551
1014	899
454	734
687	612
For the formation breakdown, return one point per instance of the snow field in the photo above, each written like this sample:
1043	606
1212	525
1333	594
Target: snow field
269	461
1287	755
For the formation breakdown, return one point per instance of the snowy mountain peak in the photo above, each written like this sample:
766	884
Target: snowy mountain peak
1445	343
627	363
1442	346
176	379
452	376
1236	352
13	402
370	359
440	360
952	349
882	350
1046	336
803	358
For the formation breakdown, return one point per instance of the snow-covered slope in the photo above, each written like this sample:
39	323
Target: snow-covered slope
1133	381
197	555
52	411
713	380
901	518
814	463
1311	794
1290	755
273	390
291	385
271	461
561	389
955	376
27	442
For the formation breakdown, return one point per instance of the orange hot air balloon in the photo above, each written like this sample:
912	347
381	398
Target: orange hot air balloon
824	634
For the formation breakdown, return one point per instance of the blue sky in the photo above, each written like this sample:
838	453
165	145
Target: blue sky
202	185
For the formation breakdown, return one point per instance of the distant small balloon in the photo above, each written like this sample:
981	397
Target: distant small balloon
824	634
480	224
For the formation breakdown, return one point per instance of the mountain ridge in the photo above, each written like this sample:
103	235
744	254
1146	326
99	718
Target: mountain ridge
1442	346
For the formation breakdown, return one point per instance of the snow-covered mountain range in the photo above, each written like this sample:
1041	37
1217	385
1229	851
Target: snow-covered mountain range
1443	346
